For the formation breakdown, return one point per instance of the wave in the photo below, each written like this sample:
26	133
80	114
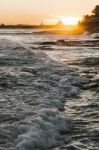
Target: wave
33	90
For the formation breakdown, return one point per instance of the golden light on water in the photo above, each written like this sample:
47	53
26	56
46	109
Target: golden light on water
70	20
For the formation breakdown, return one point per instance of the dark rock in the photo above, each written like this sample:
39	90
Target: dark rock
61	41
91	61
48	43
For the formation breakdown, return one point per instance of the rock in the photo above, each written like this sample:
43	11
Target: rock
48	43
91	61
61	41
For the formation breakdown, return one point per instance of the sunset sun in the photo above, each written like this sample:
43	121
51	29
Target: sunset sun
70	20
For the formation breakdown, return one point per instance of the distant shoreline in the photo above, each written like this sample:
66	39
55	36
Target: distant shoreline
2	26
26	26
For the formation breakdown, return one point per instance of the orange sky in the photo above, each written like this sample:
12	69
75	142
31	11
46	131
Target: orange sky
34	11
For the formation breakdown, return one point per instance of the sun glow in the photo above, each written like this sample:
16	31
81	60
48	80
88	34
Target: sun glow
70	20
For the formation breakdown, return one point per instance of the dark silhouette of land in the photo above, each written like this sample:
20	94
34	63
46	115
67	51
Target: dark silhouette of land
91	22
19	26
23	26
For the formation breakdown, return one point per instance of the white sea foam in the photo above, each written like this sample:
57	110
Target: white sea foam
33	89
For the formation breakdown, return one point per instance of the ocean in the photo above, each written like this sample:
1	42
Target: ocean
49	90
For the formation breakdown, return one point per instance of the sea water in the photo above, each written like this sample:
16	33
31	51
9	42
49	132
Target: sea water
48	94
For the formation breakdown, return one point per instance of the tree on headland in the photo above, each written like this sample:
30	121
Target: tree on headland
91	22
96	11
2	25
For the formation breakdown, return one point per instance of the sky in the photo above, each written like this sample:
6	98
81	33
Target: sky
49	11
